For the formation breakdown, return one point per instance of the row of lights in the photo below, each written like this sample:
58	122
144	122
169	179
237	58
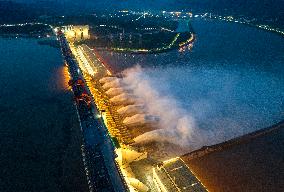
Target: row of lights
22	24
231	19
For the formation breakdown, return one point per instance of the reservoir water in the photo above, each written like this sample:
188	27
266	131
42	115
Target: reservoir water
39	130
231	83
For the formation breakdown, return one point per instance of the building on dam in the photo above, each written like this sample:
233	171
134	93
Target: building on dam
76	32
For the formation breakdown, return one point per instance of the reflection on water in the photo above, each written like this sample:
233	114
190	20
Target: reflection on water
64	77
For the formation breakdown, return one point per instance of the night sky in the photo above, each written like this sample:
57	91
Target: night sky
264	9
262	5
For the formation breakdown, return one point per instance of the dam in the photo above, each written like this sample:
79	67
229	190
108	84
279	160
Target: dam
111	117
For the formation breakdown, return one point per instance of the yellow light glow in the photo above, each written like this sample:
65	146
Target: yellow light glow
65	77
171	160
158	181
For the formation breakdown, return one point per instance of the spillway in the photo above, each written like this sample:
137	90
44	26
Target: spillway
125	99
107	79
141	119
131	110
117	91
113	84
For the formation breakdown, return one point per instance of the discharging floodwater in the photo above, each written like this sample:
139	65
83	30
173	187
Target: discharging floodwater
232	82
39	130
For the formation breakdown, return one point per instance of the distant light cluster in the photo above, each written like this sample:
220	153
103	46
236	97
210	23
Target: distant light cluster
240	20
23	24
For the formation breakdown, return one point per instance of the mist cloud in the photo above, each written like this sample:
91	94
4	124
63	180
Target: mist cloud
205	106
176	125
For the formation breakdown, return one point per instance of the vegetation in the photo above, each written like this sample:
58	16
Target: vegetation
31	30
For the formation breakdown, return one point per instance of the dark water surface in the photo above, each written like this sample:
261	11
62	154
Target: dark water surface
39	131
